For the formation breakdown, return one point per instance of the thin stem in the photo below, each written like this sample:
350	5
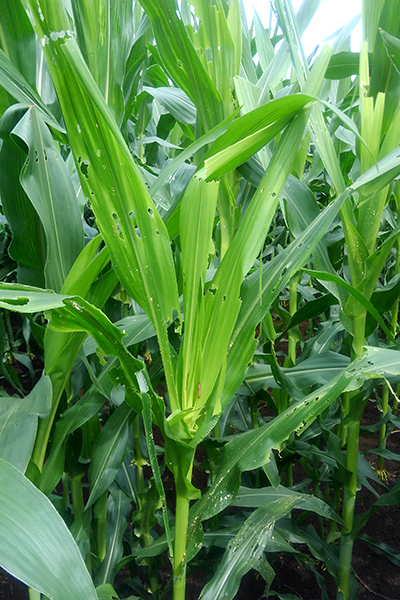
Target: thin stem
382	431
65	487
100	518
34	594
292	310
9	330
255	425
345	412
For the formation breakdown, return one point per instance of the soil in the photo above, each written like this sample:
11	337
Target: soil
378	578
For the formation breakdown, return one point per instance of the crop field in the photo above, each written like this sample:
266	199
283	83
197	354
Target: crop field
199	297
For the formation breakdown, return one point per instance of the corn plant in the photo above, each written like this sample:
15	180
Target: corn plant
189	264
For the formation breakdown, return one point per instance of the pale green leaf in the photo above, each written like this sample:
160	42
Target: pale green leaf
246	549
35	544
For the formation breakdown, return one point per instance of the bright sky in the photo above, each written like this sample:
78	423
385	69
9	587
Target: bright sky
330	16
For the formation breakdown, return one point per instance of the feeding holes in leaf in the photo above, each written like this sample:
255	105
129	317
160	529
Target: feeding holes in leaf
212	290
84	166
137	230
224	298
132	215
98	152
36	156
150	212
209	55
117	225
178	62
92	193
284	271
273	194
79	129
15	301
44	154
157	232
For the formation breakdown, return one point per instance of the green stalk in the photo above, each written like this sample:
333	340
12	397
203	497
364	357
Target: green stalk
100	519
34	594
43	435
77	496
181	524
350	489
349	499
65	487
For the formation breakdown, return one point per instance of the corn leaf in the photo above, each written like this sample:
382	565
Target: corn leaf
135	234
182	62
108	453
35	544
105	35
246	549
47	182
18	423
251	450
248	134
28	246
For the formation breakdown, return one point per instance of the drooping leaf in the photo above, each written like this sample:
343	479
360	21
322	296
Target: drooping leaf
14	82
257	497
28	299
248	134
245	549
35	544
